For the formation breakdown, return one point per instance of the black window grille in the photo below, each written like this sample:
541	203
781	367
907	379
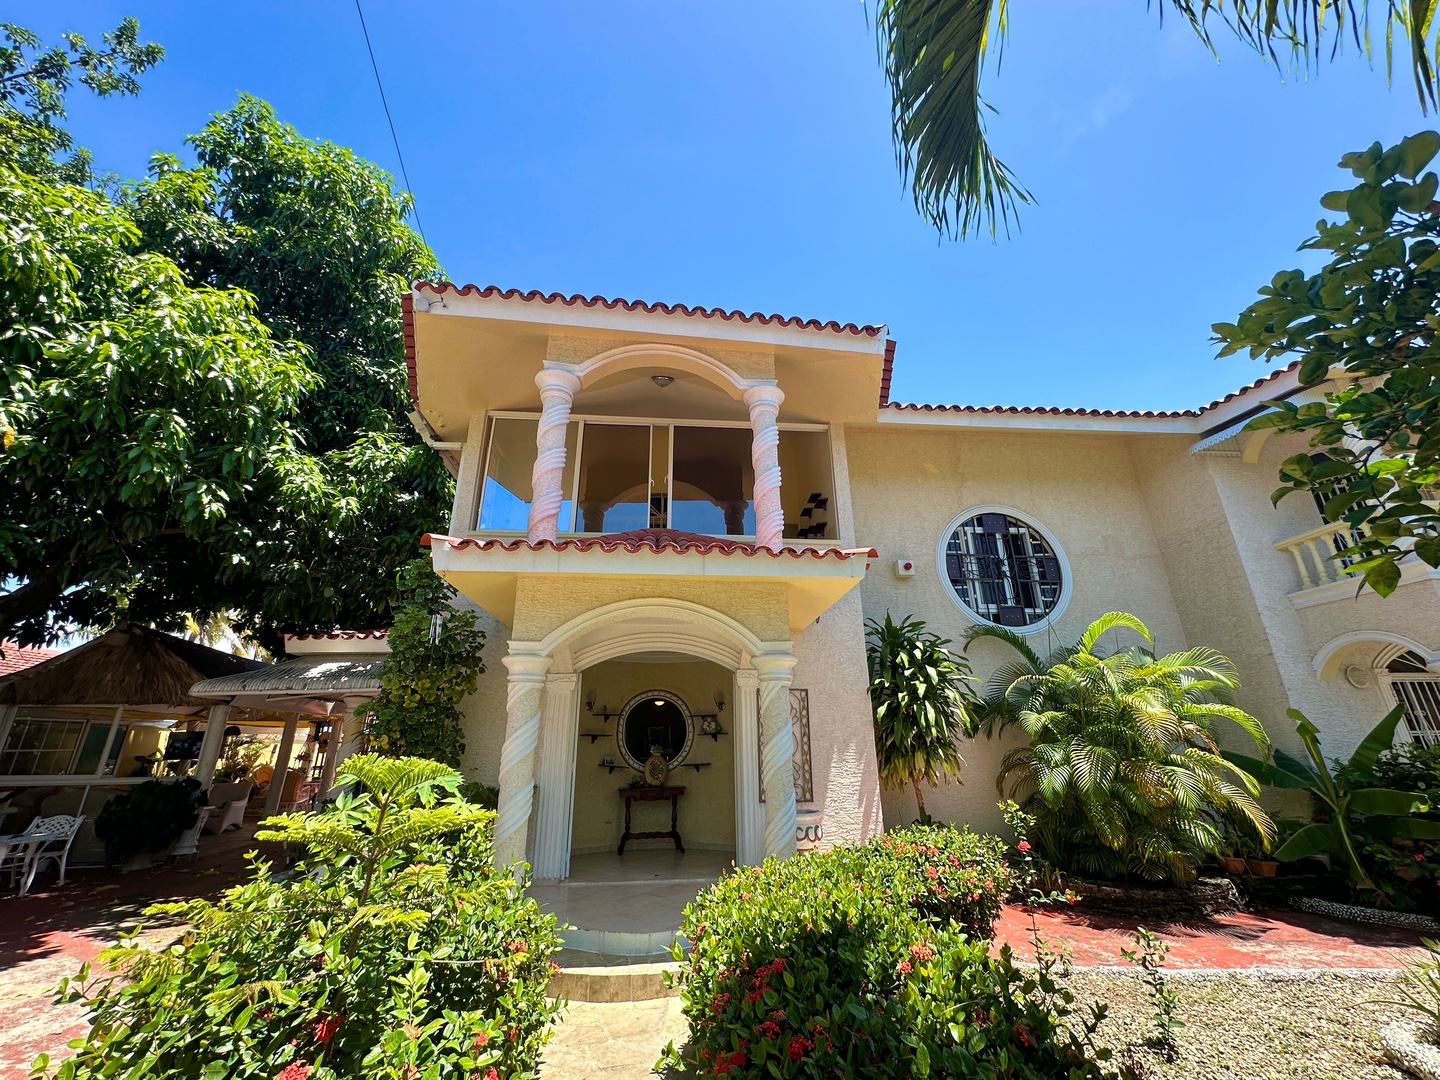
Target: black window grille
1003	570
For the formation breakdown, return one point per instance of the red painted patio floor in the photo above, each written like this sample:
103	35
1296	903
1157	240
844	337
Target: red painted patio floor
1268	939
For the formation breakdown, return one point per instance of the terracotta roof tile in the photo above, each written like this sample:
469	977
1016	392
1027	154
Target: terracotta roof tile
16	658
655	540
341	635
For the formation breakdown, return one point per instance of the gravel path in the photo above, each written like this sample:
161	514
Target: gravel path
1314	1025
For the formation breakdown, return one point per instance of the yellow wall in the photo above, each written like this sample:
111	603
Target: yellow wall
707	809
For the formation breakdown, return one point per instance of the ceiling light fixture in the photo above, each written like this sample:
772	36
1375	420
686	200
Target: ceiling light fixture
662	381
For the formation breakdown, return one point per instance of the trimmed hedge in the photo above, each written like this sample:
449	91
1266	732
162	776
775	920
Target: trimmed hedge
873	961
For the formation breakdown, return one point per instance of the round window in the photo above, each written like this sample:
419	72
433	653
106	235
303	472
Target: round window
654	722
1003	570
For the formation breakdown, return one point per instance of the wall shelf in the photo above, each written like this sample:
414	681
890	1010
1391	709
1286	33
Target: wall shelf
612	768
696	765
593	735
713	734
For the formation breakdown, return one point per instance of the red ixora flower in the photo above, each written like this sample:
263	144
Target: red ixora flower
325	1028
517	946
922	951
491	1074
1419	857
905	967
799	1046
296	1070
480	1040
1023	845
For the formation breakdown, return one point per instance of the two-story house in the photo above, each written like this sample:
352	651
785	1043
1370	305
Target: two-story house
676	521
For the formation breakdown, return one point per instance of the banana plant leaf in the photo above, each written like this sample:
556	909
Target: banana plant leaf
1311	840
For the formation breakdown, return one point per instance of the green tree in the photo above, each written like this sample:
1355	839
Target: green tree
1369	317
1122	771
920	694
309	242
138	414
433	662
33	82
934	53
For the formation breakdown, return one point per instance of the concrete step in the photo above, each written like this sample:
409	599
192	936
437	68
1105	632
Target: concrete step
586	976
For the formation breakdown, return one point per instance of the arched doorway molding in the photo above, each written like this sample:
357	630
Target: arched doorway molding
659	354
1332	658
537	763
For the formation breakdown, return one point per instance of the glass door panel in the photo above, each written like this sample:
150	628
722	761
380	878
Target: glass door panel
506	495
614	488
807	484
713	482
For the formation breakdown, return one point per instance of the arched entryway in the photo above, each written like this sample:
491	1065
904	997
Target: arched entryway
546	701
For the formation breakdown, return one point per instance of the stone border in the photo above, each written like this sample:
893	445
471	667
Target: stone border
1404	920
1405	1048
1207	897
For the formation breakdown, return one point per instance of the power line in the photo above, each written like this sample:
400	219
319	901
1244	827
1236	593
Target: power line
375	67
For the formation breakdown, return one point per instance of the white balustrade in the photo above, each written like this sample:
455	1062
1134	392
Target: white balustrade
1314	555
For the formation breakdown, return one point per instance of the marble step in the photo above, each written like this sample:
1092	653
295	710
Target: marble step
606	977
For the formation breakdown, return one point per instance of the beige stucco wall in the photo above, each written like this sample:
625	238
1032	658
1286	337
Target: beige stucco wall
707	810
546	602
909	483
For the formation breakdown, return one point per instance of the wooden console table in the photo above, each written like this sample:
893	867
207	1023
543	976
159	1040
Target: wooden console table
632	795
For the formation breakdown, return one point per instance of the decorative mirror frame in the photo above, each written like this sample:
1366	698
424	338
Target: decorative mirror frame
654	695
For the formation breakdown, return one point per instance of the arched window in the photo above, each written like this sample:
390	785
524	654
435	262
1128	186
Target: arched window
1003	569
1417	688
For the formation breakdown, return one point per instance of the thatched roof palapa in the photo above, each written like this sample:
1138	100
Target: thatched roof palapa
130	665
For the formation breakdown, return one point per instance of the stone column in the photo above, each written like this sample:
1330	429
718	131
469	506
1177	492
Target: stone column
557	391
734	511
745	733
764	405
527	667
212	743
777	753
559	725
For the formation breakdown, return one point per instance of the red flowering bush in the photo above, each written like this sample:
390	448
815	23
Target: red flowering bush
396	951
860	962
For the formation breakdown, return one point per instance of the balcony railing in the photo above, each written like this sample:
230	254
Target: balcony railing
1314	553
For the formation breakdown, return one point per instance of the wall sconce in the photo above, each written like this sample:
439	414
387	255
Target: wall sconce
719	701
590	701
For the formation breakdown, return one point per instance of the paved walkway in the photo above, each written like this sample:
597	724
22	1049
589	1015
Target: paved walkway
1272	940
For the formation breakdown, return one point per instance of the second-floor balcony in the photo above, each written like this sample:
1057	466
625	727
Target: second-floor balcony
1324	573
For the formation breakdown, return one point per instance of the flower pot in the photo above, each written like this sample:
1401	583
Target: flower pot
1231	864
1262	867
809	828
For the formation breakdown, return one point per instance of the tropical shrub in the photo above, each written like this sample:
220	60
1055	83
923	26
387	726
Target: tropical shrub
433	662
810	967
921	697
1122	772
147	818
395	950
1355	812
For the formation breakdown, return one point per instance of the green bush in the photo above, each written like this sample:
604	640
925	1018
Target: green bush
147	818
873	961
395	950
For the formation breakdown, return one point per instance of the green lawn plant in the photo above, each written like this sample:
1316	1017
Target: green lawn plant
395	950
1122	770
147	818
874	961
1352	813
920	694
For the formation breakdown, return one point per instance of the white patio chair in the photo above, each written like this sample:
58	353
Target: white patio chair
48	839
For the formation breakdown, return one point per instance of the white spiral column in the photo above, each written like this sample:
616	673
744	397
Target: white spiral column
764	405
558	388
777	751
523	693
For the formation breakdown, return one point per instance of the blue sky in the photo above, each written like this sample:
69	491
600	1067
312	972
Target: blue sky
738	155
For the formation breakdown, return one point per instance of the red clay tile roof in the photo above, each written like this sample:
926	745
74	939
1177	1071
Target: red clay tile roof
1051	411
609	304
340	635
16	658
656	540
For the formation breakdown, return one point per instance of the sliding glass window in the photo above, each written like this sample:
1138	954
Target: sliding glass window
506	496
614	489
712	489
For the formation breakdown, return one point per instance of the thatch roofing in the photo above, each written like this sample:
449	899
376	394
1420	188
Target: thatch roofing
130	665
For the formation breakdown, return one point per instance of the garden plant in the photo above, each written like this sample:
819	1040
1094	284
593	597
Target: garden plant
147	818
872	961
393	950
921	697
1354	809
1122	770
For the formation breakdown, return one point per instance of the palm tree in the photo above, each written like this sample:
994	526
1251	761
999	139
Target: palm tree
921	696
1122	770
933	52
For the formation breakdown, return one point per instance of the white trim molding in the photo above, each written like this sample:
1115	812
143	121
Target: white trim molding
1328	661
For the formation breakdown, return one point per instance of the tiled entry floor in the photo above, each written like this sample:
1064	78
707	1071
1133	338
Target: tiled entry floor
628	905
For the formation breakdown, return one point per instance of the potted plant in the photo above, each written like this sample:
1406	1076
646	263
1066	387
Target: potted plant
147	819
1232	843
